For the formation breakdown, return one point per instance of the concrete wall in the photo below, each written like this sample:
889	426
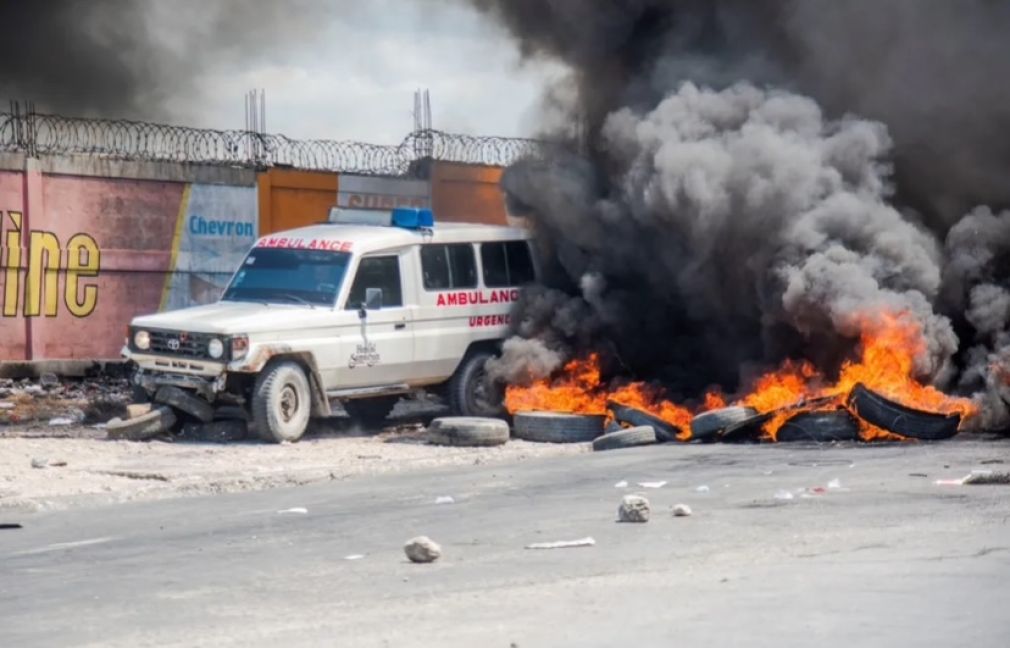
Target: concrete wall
87	244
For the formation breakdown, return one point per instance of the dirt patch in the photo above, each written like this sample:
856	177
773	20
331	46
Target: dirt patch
99	471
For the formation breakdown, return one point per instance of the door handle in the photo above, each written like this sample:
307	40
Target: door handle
400	326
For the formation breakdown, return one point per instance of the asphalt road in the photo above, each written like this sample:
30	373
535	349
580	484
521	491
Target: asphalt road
889	559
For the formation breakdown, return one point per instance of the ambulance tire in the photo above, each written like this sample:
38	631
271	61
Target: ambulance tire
469	392
281	403
371	412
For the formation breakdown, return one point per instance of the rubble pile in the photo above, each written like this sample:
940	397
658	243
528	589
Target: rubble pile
53	401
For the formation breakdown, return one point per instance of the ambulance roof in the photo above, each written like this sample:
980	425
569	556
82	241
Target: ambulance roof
371	238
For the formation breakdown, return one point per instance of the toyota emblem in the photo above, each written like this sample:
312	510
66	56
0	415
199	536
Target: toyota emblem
174	344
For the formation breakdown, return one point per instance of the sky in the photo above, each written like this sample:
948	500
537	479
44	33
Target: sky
354	76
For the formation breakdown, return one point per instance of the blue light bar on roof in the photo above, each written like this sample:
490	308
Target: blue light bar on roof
413	218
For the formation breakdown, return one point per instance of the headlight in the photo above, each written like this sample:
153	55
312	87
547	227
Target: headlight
239	346
215	348
142	340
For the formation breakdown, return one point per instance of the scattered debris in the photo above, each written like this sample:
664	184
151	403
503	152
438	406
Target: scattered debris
951	482
49	380
9	525
652	484
354	557
60	420
445	499
633	508
621	484
7	405
988	478
39	462
986	462
298	510
135	410
215	432
835	484
783	495
563	544
702	489
682	510
422	549
57	464
918	475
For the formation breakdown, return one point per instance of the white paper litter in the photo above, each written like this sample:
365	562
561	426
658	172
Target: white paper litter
444	499
702	489
354	557
835	484
621	484
654	484
297	509
563	544
60	421
783	495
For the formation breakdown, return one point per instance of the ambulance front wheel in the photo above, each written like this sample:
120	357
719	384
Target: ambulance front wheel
469	390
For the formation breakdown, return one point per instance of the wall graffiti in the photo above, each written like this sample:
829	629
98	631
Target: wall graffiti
35	264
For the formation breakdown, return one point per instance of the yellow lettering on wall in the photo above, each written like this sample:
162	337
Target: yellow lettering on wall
13	265
44	245
78	246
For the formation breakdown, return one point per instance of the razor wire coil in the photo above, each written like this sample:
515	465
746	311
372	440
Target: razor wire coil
119	139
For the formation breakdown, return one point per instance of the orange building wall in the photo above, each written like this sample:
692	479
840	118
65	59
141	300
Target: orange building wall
467	193
289	198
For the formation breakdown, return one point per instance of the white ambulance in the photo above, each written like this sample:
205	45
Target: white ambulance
360	311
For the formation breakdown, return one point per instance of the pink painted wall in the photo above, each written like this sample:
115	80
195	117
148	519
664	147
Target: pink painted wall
151	246
12	329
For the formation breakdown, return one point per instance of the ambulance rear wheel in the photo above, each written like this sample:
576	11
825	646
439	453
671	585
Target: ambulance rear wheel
281	403
469	390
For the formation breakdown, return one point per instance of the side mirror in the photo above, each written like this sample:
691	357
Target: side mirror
373	301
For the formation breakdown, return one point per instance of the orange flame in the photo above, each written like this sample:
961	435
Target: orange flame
888	347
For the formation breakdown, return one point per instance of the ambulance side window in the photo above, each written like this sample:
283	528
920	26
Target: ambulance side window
448	266
377	272
506	264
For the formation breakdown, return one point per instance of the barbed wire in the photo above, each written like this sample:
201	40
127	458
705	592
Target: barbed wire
120	139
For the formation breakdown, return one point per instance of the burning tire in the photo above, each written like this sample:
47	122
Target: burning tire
638	418
185	402
147	426
707	425
468	431
281	403
552	427
626	438
747	430
899	419
837	425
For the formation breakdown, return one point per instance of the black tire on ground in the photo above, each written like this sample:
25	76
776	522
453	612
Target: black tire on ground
231	413
708	425
217	432
185	402
371	411
470	393
468	431
900	419
281	403
626	438
746	431
553	427
637	418
836	425
159	420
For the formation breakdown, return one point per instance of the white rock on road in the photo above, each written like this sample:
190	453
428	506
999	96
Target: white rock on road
633	508
681	510
422	549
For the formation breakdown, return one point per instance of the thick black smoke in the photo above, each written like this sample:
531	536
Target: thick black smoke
130	58
760	180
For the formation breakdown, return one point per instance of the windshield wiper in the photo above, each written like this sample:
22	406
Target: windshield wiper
298	299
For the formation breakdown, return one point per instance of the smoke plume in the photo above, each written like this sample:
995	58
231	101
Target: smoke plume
126	58
761	181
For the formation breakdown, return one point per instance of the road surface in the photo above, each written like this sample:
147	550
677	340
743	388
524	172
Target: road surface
882	557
